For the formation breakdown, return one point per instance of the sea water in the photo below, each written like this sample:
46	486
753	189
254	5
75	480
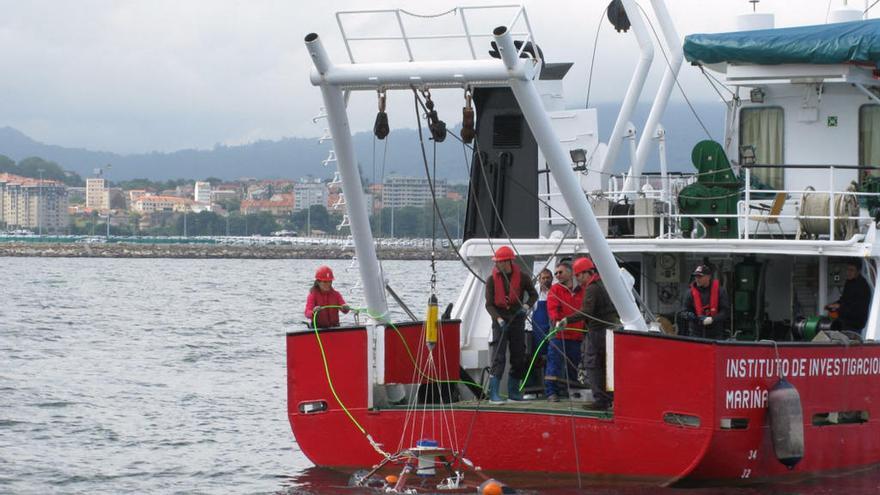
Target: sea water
168	376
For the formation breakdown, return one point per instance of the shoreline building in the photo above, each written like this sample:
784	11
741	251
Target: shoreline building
279	205
97	194
336	200
308	193
221	195
400	191
33	204
134	195
152	204
202	192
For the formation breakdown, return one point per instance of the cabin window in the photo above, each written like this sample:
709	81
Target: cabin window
762	127
869	138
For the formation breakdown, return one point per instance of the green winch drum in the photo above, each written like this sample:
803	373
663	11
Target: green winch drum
806	329
811	327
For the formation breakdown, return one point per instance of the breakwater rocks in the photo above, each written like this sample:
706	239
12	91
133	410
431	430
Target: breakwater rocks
208	251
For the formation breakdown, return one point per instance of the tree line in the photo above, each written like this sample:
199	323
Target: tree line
35	167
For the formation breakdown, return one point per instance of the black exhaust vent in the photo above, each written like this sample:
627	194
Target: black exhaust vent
507	131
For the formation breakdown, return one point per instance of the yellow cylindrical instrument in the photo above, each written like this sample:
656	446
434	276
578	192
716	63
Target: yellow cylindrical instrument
431	322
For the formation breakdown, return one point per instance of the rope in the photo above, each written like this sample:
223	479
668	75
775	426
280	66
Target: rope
501	222
374	158
428	16
593	57
431	186
434	213
559	245
405	346
574	442
485	181
816	204
360	428
677	83
709	78
495	211
424	375
476	203
492	202
452	435
382	172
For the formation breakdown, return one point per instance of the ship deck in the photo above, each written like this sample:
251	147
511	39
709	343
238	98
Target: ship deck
537	406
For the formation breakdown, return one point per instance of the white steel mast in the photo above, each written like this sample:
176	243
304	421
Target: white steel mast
513	71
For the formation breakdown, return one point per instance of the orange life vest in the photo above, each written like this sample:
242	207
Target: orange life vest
710	310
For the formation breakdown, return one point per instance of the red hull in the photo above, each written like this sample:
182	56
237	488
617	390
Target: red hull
660	381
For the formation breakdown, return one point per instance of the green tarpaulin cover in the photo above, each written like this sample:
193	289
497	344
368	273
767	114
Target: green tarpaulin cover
857	41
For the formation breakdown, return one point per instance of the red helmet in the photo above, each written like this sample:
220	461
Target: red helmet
582	265
324	274
504	253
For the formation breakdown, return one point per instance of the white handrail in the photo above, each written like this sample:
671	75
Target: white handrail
519	16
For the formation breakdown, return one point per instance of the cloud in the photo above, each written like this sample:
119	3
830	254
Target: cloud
133	76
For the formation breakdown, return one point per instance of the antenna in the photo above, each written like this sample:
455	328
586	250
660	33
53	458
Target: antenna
754	4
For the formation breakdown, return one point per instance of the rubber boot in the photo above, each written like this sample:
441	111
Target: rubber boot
494	398
513	392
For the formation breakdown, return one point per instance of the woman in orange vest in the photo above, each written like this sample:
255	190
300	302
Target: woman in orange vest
706	306
324	301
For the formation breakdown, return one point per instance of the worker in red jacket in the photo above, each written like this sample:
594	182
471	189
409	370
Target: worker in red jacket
509	297
564	351
324	301
600	316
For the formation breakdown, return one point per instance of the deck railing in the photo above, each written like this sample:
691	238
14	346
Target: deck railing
752	206
408	32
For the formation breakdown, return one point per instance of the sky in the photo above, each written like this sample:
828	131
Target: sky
133	76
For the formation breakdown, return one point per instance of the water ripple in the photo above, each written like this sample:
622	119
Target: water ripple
165	376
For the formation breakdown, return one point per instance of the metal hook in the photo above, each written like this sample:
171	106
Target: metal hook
322	114
382	99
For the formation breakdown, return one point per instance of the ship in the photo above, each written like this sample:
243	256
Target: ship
777	207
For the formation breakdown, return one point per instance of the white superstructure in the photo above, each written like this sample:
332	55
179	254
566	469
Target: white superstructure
791	205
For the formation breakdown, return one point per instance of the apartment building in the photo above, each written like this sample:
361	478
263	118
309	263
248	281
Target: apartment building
39	206
278	205
202	192
152	204
400	191
309	193
336	201
135	194
374	191
221	195
97	195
